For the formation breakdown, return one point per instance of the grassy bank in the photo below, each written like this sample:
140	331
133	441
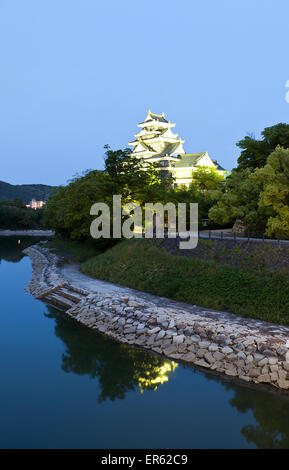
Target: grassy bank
142	265
78	251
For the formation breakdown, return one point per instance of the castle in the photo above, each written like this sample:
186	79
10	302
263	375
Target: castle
156	143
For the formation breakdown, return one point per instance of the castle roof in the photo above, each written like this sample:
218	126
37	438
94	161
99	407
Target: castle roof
167	151
218	166
156	141
152	117
189	159
157	117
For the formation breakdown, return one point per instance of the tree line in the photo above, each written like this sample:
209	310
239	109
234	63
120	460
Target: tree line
15	215
25	192
256	192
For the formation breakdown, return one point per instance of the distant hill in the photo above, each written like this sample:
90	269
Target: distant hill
25	192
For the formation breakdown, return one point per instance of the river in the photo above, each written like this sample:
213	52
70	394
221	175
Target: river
64	386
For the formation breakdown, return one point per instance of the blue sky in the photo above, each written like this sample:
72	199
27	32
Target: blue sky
76	75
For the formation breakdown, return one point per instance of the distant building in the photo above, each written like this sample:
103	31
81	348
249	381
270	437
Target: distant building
157	143
35	204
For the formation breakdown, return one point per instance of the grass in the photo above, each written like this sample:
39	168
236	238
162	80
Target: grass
205	282
76	251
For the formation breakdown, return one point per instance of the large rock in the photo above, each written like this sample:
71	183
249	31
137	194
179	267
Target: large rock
227	350
265	378
189	357
254	372
170	350
239	227
202	363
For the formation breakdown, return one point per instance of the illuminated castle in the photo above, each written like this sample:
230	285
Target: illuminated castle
156	143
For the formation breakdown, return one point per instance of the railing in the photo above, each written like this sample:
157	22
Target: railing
225	235
239	237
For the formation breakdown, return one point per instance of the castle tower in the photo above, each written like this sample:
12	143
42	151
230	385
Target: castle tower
156	142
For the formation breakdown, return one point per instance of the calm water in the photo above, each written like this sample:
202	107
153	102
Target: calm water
63	386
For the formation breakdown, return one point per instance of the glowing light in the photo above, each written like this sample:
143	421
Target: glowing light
156	376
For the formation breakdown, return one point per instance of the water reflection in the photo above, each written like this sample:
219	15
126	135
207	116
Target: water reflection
120	369
11	247
270	410
117	367
207	410
159	376
272	419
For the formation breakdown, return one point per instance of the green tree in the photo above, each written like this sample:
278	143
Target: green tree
127	177
274	177
206	179
255	152
204	189
15	215
68	211
240	200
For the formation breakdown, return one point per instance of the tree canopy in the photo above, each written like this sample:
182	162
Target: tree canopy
15	215
239	200
255	152
68	211
260	197
274	178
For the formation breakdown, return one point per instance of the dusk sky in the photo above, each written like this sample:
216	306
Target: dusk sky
76	75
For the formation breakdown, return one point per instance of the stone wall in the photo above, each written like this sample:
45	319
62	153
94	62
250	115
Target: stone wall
250	350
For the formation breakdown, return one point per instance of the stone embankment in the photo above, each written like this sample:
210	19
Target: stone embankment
250	350
27	233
